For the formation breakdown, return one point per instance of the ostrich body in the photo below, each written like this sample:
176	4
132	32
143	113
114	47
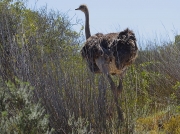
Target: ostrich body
109	54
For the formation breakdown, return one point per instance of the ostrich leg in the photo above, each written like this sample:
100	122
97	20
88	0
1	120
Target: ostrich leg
115	94
120	86
103	66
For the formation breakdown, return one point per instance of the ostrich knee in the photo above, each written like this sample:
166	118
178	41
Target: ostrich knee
113	87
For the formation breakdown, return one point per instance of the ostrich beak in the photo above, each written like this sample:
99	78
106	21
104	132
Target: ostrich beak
77	9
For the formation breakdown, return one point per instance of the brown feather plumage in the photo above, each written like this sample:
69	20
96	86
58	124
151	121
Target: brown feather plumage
121	47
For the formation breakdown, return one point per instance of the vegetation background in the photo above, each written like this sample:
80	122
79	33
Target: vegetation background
45	86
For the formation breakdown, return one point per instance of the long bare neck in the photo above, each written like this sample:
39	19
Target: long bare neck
87	29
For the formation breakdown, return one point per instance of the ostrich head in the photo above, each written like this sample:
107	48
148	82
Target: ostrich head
83	8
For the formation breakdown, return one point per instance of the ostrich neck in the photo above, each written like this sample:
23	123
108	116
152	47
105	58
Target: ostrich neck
87	30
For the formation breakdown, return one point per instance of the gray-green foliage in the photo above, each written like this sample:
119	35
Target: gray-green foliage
79	126
19	113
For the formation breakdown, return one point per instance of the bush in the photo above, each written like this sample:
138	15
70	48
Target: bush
172	126
19	113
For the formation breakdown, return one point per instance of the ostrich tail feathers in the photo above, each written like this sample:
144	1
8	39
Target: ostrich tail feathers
125	48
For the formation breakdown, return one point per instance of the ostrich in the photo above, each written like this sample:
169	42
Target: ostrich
109	54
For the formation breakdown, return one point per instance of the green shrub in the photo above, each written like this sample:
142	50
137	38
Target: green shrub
19	112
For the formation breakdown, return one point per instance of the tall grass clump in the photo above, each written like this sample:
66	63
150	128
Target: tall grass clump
41	48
